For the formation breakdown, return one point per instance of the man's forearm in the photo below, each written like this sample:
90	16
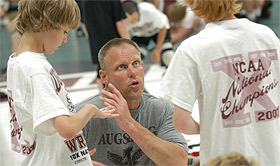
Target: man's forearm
158	150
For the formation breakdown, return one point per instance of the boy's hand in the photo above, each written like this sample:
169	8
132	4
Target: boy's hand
107	112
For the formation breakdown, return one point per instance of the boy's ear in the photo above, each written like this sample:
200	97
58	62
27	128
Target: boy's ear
45	25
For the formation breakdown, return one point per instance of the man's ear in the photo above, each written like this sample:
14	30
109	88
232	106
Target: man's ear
103	77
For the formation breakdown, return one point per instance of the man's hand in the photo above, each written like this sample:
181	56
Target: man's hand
116	100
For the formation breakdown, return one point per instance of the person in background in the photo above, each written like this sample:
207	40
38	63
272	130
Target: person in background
45	128
255	10
143	133
146	23
183	22
102	21
2	8
252	9
231	68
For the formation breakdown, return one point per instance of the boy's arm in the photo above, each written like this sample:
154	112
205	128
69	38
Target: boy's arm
184	122
69	126
158	150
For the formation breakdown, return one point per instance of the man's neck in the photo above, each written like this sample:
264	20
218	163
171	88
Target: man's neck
133	104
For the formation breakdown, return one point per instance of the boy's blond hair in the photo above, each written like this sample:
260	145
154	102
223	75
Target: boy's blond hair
34	15
214	10
232	159
176	12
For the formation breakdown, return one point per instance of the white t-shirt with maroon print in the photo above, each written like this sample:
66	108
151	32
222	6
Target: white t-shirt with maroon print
151	21
232	68
35	95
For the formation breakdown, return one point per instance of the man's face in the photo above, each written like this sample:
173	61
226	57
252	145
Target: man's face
124	69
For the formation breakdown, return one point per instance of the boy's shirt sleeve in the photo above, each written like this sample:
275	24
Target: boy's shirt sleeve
46	104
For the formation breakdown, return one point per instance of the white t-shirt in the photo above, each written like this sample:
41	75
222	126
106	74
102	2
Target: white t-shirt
232	69
35	95
151	20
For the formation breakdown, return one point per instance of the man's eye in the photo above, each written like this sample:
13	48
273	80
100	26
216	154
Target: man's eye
121	67
136	63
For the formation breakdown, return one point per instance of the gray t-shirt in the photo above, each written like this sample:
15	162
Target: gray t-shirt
115	147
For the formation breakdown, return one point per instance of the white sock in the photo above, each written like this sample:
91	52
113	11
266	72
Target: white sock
252	16
167	56
243	12
258	12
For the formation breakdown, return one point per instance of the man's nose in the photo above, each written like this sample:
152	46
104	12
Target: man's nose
131	71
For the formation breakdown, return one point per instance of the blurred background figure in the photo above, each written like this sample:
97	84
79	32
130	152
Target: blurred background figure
255	10
183	22
4	5
102	21
8	12
148	24
162	5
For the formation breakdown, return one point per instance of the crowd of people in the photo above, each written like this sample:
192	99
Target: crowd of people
229	65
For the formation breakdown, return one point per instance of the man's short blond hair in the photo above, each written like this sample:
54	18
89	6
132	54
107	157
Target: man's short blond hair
52	14
103	52
214	10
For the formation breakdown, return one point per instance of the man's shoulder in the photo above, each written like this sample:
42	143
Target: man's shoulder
90	100
148	96
151	99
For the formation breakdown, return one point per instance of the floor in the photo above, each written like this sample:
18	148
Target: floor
73	63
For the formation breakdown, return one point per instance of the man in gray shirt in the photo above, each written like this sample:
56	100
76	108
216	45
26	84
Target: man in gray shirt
143	133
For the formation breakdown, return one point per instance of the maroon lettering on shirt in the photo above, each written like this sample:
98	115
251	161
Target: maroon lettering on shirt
73	144
56	80
16	131
246	90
